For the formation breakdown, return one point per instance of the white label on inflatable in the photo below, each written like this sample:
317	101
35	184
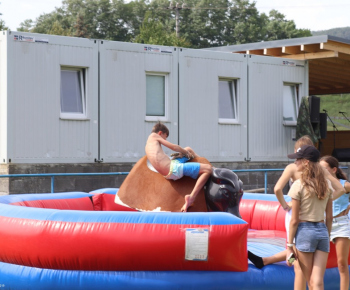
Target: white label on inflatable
197	244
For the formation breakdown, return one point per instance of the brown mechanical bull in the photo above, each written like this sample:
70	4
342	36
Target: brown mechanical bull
145	189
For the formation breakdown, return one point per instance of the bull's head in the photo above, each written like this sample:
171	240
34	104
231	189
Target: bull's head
223	191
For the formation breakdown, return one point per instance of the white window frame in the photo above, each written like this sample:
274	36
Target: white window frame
235	90
296	102
166	97
83	90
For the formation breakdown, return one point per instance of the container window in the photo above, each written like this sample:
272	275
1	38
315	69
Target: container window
156	96
228	101
290	103
73	93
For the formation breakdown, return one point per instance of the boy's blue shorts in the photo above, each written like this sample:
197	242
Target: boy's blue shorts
180	167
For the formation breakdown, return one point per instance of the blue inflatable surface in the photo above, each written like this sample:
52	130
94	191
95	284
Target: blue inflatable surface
18	277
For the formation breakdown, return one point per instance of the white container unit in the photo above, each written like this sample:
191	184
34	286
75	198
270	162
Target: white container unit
213	104
48	99
275	89
138	88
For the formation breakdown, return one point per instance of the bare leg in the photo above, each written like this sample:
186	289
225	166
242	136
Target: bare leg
299	279
205	172
342	248
318	270
279	257
260	262
306	264
313	266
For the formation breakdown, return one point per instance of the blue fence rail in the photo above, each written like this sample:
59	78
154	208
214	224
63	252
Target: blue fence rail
53	175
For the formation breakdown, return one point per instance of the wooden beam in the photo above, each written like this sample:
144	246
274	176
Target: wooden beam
320	91
342	74
310	47
329	67
332	45
275	51
256	51
291	49
331	64
330	82
313	55
328	78
344	56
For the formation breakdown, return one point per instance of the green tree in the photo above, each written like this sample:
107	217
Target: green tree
203	23
80	27
245	23
2	25
57	29
134	13
55	22
26	25
153	32
277	27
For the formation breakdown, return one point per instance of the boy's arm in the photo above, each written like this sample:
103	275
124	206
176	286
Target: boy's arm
172	146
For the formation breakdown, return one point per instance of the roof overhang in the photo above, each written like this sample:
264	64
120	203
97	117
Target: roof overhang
328	58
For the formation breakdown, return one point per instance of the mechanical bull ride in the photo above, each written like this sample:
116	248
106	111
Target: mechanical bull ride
86	241
147	190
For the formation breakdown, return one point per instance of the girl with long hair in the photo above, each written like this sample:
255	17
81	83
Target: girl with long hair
340	234
311	199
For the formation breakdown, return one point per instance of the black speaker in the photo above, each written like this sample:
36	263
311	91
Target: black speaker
323	125
314	105
342	154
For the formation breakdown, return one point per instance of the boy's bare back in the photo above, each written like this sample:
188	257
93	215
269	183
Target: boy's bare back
156	155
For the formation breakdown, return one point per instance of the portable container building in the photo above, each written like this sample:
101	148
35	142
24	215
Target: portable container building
66	100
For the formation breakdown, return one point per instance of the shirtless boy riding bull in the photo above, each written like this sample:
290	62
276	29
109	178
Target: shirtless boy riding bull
178	167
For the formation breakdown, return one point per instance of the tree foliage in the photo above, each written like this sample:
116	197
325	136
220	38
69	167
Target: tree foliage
2	24
153	32
202	23
343	32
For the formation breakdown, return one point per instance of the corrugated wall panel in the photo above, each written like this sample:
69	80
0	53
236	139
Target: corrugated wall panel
269	139
3	98
124	130
200	129
37	132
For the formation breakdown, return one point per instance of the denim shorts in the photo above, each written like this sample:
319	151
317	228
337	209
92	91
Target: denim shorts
311	236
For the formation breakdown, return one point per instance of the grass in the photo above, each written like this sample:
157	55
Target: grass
333	104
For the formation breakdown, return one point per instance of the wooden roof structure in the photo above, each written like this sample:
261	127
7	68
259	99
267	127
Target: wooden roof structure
328	58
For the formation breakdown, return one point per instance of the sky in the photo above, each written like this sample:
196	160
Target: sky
308	14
